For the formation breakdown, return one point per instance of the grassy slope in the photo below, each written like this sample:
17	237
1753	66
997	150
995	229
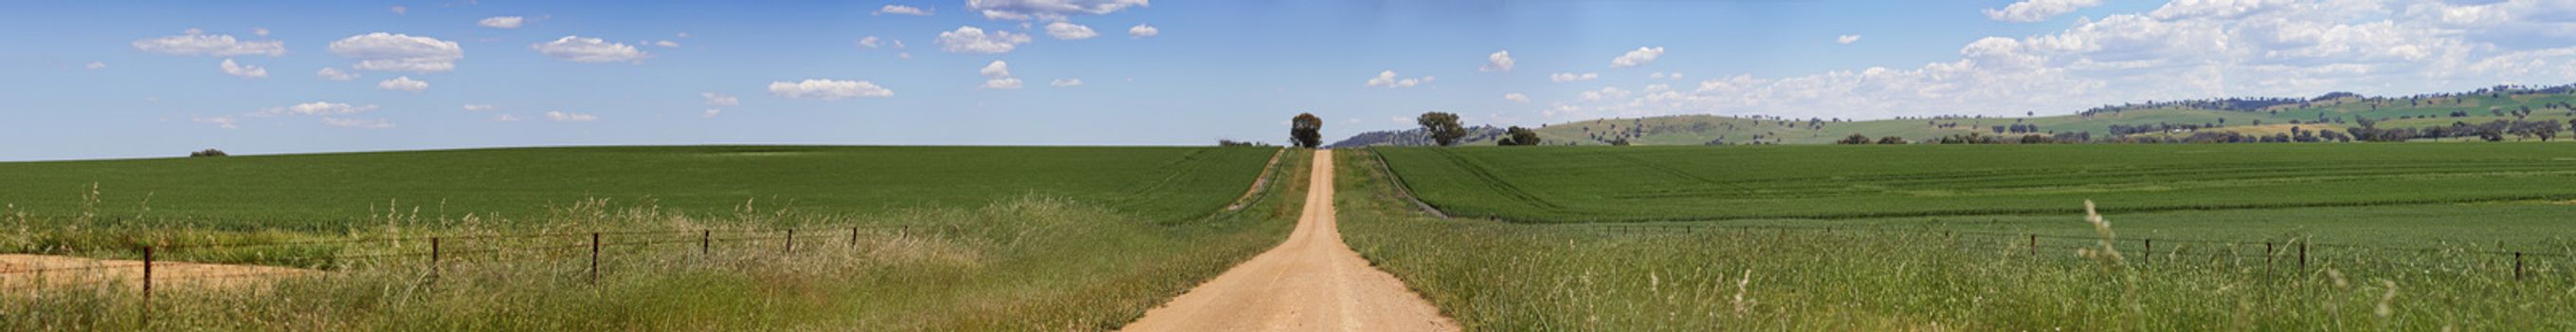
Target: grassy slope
2477	189
1506	276
323	191
1700	129
1013	264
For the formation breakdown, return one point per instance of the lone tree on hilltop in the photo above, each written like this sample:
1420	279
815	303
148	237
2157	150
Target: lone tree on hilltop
207	153
1442	126
1517	136
1306	130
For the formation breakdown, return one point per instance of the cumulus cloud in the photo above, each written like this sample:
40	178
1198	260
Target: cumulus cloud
399	52
95	65
231	68
718	99
314	108
479	107
1066	82
1639	57
1142	31
1052	10
902	10
1665	75
1572	77
505	118
825	89
1069	31
335	74
997	76
1516	97
404	83
1389	80
590	50
2038	10
974	40
357	123
1499	61
501	22
1847	39
666	44
561	116
196	42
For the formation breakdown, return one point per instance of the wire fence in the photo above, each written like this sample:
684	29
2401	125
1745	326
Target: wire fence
2147	252
429	252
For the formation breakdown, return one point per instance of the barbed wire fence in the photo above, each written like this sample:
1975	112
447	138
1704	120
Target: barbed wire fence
2299	254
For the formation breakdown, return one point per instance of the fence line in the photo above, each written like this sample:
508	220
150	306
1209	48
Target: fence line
2295	251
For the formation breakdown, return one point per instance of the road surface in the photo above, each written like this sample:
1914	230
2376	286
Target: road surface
1312	282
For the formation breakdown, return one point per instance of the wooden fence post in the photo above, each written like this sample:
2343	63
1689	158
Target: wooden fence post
2150	257
791	242
2303	257
594	258
2034	245
854	237
706	240
147	286
433	254
2517	266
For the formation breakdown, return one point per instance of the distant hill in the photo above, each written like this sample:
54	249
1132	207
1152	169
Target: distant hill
2145	120
1412	137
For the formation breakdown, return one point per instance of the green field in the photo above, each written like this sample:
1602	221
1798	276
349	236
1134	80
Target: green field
2430	266
329	191
1598	184
991	239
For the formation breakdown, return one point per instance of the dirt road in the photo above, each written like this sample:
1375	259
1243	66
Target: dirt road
1313	282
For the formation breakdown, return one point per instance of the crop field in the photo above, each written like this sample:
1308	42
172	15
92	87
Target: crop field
1603	184
333	191
1003	239
2034	270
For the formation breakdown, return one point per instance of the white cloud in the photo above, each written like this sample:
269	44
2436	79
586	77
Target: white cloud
828	89
225	122
1052	10
1639	57
902	10
710	113
1066	82
718	99
1142	31
869	42
505	118
1499	61
335	74
561	116
231	68
1389	80
398	52
998	76
262	32
399	10
1847	39
1665	75
314	108
404	83
1572	77
479	107
2039	10
974	40
1070	31
501	22
95	65
1516	97
589	50
666	44
357	123
197	43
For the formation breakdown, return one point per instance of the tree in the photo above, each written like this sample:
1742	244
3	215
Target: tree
1854	139
1517	136
1306	130
1891	140
1442	126
207	153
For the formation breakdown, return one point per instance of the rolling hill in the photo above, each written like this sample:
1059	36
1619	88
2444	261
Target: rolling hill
2152	120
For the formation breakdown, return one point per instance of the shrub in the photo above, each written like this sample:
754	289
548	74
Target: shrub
207	153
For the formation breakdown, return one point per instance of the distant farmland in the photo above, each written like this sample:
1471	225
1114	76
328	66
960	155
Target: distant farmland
324	191
1601	184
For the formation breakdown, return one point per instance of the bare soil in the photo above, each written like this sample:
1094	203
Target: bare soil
27	271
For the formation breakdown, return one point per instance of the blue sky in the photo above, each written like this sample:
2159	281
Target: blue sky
112	79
